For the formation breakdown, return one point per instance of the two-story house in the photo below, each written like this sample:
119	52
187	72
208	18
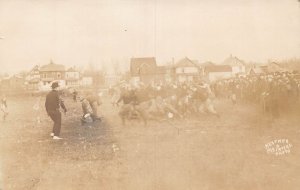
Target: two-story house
187	70
143	69
52	72
72	77
238	66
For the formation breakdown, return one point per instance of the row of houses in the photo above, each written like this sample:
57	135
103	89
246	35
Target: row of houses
41	77
143	69
147	71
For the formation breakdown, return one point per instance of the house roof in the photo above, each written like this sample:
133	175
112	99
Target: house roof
275	67
218	68
186	62
233	61
52	67
145	65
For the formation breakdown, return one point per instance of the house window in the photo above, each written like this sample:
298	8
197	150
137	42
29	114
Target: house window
58	75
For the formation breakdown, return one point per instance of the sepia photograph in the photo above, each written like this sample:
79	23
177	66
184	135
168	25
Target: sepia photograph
149	94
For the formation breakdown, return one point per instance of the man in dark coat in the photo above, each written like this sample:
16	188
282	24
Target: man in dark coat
52	104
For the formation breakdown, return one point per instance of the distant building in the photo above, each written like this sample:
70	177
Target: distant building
270	67
72	77
33	78
238	66
5	83
112	79
161	74
52	72
218	72
273	67
187	70
256	71
86	81
13	83
291	65
143	69
170	73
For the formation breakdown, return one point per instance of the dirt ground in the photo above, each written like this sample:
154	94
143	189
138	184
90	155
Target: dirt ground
199	153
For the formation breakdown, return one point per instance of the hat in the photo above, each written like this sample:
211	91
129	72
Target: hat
54	85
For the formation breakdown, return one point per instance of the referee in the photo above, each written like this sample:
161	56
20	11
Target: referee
52	104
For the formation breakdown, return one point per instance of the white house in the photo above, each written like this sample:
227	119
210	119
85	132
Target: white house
72	77
238	66
52	72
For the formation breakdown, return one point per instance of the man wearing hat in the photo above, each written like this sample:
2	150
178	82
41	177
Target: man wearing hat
52	104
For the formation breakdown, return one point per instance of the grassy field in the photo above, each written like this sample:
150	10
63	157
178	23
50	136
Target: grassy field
201	152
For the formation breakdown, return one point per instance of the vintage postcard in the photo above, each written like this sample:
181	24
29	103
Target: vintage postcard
149	94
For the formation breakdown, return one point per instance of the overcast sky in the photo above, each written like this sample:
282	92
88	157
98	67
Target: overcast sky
79	32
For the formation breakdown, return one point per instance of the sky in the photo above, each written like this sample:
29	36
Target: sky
106	32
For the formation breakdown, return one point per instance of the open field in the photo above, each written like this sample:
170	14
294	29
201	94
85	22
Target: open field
197	153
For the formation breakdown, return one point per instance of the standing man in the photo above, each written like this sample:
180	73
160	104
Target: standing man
52	104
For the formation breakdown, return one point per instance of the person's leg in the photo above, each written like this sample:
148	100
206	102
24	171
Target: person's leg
57	124
95	112
82	120
95	109
52	116
95	118
142	114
